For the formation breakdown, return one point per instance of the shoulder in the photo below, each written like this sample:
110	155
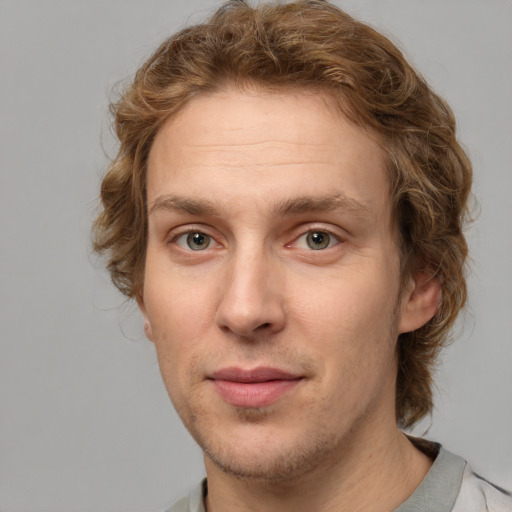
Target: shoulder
182	505
452	486
478	494
191	503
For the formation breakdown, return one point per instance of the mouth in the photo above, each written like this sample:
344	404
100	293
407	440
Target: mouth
258	387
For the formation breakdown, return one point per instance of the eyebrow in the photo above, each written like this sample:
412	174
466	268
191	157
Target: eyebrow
306	204
171	202
294	205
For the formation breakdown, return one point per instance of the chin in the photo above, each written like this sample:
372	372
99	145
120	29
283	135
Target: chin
266	457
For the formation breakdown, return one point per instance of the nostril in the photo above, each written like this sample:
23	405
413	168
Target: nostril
263	326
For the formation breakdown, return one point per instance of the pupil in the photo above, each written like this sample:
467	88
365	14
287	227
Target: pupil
318	240
198	241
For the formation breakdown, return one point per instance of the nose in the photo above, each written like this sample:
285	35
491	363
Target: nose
251	296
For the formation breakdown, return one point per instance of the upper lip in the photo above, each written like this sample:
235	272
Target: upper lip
260	374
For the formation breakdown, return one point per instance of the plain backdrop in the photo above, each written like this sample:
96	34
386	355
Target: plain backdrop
85	423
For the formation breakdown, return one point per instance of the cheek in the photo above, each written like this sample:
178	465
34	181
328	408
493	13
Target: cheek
175	304
177	338
350	319
181	319
347	303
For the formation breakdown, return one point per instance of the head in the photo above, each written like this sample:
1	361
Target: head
313	48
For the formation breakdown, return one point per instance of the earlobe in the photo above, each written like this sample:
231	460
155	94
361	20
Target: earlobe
147	326
147	330
420	302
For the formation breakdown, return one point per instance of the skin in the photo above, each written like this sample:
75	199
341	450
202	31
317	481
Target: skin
253	175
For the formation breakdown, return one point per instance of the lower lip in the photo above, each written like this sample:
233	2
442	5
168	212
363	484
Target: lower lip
254	394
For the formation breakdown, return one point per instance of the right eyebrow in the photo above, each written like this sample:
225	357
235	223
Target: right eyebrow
173	203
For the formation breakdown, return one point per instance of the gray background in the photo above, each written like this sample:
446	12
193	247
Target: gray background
85	424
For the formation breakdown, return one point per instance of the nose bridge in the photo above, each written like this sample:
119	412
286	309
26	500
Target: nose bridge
250	294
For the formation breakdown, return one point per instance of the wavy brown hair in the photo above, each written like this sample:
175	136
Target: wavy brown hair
308	45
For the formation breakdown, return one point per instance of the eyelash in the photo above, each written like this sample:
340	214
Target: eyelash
187	238
183	240
332	239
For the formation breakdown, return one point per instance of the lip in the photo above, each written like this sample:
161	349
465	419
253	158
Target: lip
258	387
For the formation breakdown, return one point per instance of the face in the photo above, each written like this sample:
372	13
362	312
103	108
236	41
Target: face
271	282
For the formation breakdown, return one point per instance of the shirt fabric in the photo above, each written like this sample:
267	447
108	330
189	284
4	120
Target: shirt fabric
449	486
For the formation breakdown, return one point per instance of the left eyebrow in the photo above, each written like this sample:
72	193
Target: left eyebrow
307	204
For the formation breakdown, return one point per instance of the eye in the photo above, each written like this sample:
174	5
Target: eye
194	240
317	240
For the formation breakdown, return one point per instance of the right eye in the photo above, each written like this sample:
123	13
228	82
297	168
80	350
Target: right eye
194	241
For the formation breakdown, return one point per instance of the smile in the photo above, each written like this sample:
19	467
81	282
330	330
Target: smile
253	388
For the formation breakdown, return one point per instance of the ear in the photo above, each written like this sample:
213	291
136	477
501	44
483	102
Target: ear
420	301
147	326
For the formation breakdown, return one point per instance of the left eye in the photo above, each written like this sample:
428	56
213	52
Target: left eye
317	240
194	240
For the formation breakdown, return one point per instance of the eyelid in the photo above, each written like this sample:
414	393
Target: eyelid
301	231
183	244
332	231
187	229
333	240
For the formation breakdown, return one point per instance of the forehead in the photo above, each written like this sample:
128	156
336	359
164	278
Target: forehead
260	143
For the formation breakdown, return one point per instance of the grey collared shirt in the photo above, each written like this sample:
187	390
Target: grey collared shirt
449	486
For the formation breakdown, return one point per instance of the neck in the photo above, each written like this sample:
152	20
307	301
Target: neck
372	476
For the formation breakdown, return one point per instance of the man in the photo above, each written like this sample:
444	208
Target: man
287	209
